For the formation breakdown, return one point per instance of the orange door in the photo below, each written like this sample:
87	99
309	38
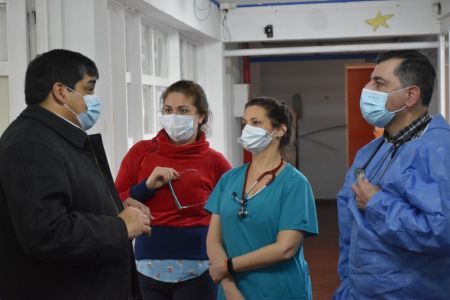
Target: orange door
359	132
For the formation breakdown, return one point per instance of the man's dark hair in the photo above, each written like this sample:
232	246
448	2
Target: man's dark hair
54	66
415	69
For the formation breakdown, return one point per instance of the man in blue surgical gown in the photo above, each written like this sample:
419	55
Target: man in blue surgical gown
394	208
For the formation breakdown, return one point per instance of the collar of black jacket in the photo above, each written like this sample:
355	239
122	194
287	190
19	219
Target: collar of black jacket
71	133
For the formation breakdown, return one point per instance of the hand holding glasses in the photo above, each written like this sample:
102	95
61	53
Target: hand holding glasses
161	176
179	205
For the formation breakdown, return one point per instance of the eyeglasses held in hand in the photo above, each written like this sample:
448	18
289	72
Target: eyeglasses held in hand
174	195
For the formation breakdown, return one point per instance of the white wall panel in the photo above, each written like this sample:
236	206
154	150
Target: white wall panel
180	14
219	105
117	73
17	55
332	21
55	16
4	104
3	36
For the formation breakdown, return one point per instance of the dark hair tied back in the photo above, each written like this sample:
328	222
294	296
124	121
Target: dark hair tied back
278	113
192	90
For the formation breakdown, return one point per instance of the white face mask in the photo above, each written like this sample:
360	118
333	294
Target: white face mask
254	139
180	128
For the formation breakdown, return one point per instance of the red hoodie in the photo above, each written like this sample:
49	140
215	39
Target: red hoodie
191	188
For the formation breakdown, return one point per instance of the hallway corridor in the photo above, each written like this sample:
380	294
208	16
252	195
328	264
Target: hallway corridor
322	252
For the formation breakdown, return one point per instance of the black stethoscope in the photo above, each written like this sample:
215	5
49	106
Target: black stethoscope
242	212
361	171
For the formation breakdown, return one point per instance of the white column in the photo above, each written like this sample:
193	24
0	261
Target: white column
104	87
441	74
54	24
17	54
78	26
219	106
118	85
42	39
134	67
174	55
447	66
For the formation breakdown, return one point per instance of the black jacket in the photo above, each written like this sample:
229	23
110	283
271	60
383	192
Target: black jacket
60	237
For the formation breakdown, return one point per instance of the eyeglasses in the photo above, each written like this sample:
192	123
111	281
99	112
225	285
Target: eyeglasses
174	195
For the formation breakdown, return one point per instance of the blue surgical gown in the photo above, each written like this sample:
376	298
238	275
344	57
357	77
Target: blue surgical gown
399	247
286	204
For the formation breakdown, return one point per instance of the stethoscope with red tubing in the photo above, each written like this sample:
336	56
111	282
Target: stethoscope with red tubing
243	212
361	171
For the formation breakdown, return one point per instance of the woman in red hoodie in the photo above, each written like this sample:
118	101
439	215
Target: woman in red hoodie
173	174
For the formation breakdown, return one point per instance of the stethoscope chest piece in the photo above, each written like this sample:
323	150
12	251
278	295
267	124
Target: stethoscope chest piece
242	212
359	172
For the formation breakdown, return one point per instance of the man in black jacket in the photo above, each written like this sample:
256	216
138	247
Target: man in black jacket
64	233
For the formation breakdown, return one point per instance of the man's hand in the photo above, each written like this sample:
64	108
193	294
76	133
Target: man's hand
217	270
160	176
142	207
136	221
364	191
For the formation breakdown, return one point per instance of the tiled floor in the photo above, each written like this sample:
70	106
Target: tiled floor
322	252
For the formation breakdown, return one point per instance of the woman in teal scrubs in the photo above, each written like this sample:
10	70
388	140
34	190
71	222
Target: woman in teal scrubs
261	213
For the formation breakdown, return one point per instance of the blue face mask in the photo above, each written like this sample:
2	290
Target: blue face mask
88	118
373	107
255	139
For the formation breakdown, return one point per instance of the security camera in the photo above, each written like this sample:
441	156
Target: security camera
268	30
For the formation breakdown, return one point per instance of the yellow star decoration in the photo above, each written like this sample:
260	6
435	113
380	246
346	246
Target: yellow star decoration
379	20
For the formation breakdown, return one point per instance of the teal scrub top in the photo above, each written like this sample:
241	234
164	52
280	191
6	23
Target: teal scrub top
286	204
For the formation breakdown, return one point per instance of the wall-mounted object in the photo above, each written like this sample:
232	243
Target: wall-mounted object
268	30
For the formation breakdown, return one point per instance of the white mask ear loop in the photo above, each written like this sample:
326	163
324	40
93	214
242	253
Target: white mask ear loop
71	110
276	136
400	109
67	106
271	134
396	111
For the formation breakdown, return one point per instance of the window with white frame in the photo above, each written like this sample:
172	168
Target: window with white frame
155	75
188	60
159	90
31	28
147	65
148	109
161	51
3	29
155	57
133	70
146	50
